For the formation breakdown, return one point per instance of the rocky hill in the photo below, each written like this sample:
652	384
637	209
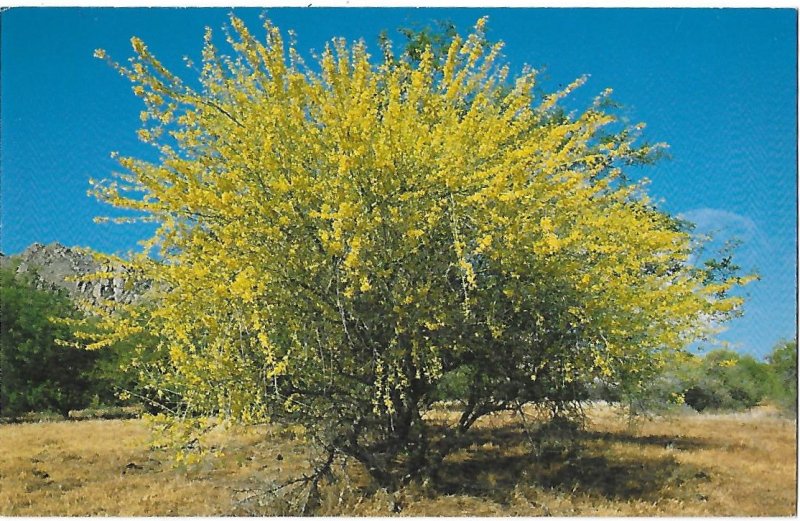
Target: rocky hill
53	266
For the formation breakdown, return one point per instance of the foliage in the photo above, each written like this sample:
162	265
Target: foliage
720	380
728	380
37	373
418	40
335	241
41	372
122	370
783	362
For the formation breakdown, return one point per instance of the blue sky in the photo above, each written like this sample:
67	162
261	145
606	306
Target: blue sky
718	85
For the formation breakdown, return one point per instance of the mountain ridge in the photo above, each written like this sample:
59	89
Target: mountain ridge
57	267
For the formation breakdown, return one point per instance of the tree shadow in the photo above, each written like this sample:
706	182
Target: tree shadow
676	442
499	460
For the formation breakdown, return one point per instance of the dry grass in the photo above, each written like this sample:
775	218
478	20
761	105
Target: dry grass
699	465
104	467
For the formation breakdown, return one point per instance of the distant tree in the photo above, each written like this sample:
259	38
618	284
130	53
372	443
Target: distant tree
722	379
727	380
783	362
341	246
38	374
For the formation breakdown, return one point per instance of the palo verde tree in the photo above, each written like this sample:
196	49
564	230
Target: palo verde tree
336	239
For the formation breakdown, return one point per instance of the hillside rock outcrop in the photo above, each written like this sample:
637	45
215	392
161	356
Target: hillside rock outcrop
54	266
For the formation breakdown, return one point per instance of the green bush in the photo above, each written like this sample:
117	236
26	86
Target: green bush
722	380
729	381
37	373
454	385
783	364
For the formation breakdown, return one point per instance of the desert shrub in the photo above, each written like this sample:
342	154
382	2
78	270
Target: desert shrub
711	396
721	380
728	380
783	364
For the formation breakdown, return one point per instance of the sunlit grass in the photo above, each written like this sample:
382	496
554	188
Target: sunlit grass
692	465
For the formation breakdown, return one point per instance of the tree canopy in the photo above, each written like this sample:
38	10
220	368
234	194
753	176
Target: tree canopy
783	360
336	239
36	373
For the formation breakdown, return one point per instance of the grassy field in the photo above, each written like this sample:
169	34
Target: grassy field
688	465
